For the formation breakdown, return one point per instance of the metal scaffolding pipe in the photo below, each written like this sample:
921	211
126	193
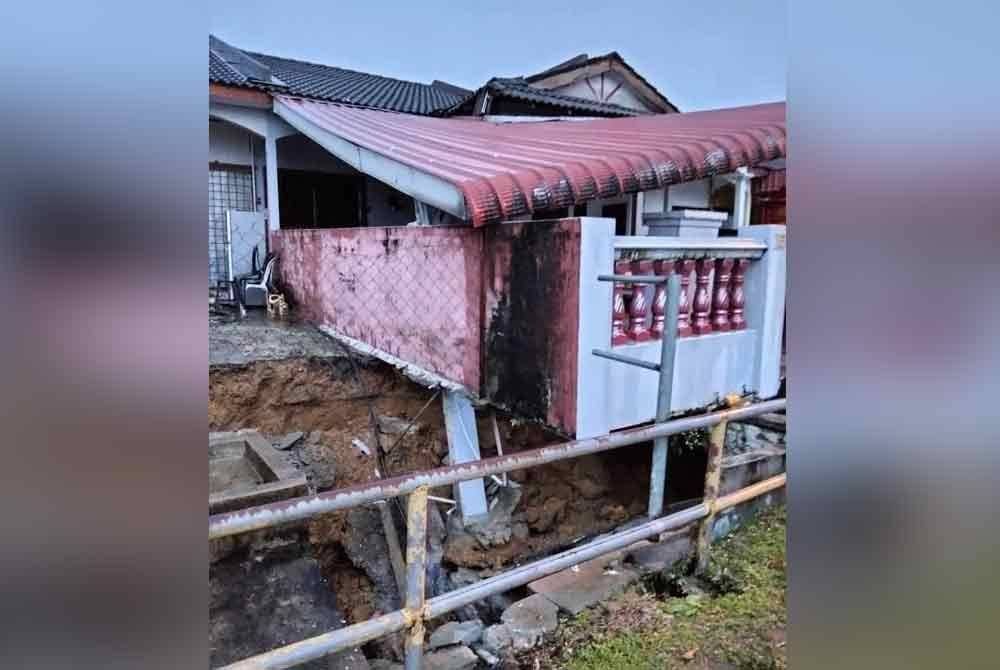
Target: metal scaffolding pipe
750	492
297	509
328	643
664	396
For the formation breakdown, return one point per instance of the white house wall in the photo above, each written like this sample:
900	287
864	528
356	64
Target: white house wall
230	144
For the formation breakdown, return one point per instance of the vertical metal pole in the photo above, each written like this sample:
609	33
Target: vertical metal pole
713	475
229	256
416	575
658	472
392	540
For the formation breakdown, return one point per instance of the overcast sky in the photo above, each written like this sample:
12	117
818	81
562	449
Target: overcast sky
699	55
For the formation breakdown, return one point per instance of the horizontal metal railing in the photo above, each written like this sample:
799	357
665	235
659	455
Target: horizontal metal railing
654	247
416	485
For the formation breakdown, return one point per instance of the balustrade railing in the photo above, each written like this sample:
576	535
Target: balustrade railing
712	275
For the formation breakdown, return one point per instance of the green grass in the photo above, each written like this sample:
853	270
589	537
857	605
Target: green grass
742	626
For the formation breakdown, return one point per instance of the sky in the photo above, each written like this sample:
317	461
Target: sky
700	55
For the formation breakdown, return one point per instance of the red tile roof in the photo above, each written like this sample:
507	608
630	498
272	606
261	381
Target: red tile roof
510	169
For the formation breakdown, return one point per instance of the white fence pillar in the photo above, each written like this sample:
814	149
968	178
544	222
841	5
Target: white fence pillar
765	305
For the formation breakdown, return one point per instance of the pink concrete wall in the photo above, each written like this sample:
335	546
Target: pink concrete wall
413	292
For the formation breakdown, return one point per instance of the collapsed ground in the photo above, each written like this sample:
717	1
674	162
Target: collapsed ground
361	419
330	399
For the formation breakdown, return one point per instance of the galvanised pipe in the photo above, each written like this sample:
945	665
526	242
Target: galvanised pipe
328	643
359	633
664	395
297	509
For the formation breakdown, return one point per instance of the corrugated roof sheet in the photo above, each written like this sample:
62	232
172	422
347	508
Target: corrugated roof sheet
324	82
507	170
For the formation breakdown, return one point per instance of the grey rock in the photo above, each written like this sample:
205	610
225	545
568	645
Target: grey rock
530	619
489	608
289	440
367	549
498	638
348	660
391	425
659	556
456	632
488	658
383	664
452	658
317	461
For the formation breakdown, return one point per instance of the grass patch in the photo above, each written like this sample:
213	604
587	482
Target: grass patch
737	622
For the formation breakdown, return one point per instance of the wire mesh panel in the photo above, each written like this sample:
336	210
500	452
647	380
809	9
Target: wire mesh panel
412	292
229	187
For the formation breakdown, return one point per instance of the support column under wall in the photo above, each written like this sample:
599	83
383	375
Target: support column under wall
463	446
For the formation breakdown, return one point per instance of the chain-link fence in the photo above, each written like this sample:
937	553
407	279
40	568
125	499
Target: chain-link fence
412	292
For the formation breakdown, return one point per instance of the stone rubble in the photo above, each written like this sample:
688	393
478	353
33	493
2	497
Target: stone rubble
456	632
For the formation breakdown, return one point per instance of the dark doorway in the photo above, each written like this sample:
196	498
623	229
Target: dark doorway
619	213
320	200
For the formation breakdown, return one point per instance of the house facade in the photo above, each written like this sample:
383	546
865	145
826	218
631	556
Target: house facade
478	240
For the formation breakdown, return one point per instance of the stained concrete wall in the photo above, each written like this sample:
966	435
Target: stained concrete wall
532	317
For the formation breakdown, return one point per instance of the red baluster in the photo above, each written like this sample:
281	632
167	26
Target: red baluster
720	301
684	267
619	315
702	297
661	268
737	298
639	306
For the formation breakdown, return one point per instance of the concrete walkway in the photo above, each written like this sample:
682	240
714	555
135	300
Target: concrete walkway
234	341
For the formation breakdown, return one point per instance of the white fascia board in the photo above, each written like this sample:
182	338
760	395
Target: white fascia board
260	122
420	185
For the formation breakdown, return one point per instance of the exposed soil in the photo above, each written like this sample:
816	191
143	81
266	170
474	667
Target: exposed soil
560	503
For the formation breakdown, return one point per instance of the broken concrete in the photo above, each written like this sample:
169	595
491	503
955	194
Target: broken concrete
586	584
530	619
234	341
288	441
496	529
452	658
456	632
245	470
